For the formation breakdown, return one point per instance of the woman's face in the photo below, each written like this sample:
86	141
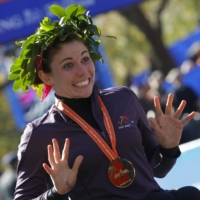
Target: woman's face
73	71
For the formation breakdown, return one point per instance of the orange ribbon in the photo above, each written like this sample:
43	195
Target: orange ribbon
110	153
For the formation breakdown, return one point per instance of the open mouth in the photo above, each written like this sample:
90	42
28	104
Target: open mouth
82	83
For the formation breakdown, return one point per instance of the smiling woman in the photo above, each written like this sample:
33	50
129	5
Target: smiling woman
72	71
92	144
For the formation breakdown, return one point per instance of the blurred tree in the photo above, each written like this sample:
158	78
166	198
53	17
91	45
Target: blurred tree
154	34
161	22
9	135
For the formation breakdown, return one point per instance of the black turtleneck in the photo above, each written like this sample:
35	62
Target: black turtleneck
82	107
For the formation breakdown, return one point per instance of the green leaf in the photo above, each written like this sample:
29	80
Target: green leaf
25	53
14	75
28	41
37	35
55	23
80	36
47	27
24	64
17	84
109	36
61	31
68	29
95	56
25	88
98	42
92	45
62	37
20	43
71	10
29	65
27	80
47	21
81	10
32	78
25	83
57	10
23	73
39	89
16	65
95	30
15	68
51	40
34	52
81	17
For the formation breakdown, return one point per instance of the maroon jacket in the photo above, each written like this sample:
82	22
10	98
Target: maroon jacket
135	141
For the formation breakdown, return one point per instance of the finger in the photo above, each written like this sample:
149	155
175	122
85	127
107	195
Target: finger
50	155
180	109
168	109
56	150
154	124
157	107
48	169
65	152
188	118
77	163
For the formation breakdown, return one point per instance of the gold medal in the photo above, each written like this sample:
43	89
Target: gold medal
121	172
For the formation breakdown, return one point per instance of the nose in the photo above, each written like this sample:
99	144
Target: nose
81	70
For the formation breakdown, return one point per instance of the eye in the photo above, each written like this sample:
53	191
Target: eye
85	59
68	66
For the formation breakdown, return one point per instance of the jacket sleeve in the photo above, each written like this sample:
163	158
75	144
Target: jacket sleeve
32	179
160	160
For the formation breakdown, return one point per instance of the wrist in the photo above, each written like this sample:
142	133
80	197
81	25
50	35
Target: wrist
62	191
53	194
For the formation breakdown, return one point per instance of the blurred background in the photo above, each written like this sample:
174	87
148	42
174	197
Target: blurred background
157	52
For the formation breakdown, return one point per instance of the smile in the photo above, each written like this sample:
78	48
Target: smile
82	83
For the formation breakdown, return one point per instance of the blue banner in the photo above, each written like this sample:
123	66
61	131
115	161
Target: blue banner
20	18
178	50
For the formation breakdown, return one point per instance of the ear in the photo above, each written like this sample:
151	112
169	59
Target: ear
46	79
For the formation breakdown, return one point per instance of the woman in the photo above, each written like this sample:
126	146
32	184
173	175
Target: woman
103	146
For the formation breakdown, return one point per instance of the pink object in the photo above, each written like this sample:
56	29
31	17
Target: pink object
47	88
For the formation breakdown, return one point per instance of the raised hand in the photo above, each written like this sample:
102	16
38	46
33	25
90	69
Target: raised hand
168	127
62	176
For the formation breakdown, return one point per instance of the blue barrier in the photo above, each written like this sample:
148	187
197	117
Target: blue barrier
186	170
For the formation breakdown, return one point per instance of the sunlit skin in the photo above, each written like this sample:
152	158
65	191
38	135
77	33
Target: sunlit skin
168	127
73	71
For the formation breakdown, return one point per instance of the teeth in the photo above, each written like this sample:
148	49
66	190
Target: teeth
82	83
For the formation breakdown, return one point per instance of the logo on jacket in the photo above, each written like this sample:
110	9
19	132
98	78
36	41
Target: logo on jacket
125	122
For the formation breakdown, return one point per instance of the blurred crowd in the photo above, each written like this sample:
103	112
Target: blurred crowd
183	82
8	175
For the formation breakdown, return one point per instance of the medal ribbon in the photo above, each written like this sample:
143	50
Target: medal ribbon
110	153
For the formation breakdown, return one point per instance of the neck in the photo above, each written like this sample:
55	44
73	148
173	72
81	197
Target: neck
82	107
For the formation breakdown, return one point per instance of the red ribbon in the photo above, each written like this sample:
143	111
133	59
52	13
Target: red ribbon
38	62
47	88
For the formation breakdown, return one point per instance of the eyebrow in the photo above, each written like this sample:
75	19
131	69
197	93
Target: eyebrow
69	58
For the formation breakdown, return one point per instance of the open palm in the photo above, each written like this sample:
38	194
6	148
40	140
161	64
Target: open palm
62	176
168	127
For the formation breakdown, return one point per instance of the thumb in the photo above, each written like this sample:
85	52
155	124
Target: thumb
154	124
77	163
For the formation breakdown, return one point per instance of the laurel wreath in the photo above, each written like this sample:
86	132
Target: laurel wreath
72	20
